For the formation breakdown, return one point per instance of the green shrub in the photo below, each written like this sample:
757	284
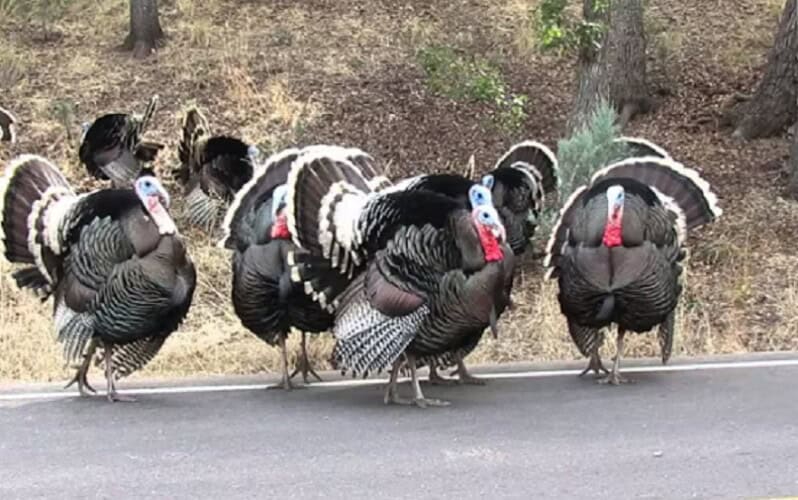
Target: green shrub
459	77
583	154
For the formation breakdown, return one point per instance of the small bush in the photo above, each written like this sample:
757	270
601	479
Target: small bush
585	152
471	78
559	31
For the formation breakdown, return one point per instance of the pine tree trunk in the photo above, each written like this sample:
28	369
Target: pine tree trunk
773	105
793	161
616	71
593	82
145	28
626	59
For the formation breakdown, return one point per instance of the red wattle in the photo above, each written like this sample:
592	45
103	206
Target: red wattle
280	228
613	234
490	246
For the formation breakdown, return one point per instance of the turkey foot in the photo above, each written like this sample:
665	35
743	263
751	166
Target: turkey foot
111	393
436	379
614	377
285	383
464	377
596	366
418	396
303	365
84	388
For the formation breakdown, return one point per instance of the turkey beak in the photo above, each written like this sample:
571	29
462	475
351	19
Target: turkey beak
498	233
494	327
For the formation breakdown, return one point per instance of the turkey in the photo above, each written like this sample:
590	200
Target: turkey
518	182
617	251
638	147
112	147
112	259
212	169
266	300
7	125
409	274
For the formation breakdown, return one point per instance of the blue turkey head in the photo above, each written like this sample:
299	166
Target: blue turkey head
488	181
279	198
148	187
491	232
480	195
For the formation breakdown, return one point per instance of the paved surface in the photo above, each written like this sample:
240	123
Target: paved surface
729	433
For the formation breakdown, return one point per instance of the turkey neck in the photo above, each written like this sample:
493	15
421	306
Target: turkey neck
467	239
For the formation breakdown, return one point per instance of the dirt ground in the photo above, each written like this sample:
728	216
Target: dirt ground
310	71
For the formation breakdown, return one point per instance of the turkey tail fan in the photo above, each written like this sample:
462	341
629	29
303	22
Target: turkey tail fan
146	118
7	130
356	156
200	209
231	161
642	147
147	151
319	280
34	197
194	126
559	233
680	185
325	195
239	221
539	157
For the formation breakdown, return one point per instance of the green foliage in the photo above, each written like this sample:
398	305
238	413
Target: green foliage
459	77
585	152
560	31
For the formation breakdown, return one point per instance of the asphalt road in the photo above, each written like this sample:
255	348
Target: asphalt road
725	431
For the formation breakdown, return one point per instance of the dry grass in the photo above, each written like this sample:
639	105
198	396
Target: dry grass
280	73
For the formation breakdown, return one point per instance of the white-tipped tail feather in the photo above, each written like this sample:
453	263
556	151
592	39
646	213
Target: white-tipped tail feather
7	126
34	199
536	155
687	188
681	190
643	147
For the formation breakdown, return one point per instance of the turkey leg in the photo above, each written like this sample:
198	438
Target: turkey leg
615	377
84	388
463	375
419	400
303	363
111	393
390	391
285	382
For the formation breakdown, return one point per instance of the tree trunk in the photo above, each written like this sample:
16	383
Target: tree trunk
615	71
773	105
145	28
793	162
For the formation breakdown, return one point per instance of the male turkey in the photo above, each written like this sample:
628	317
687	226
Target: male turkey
410	274
7	122
212	169
265	299
617	249
112	147
120	276
639	147
517	182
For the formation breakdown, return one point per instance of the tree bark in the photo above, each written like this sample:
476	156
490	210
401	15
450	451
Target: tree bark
615	71
793	161
145	28
773	105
